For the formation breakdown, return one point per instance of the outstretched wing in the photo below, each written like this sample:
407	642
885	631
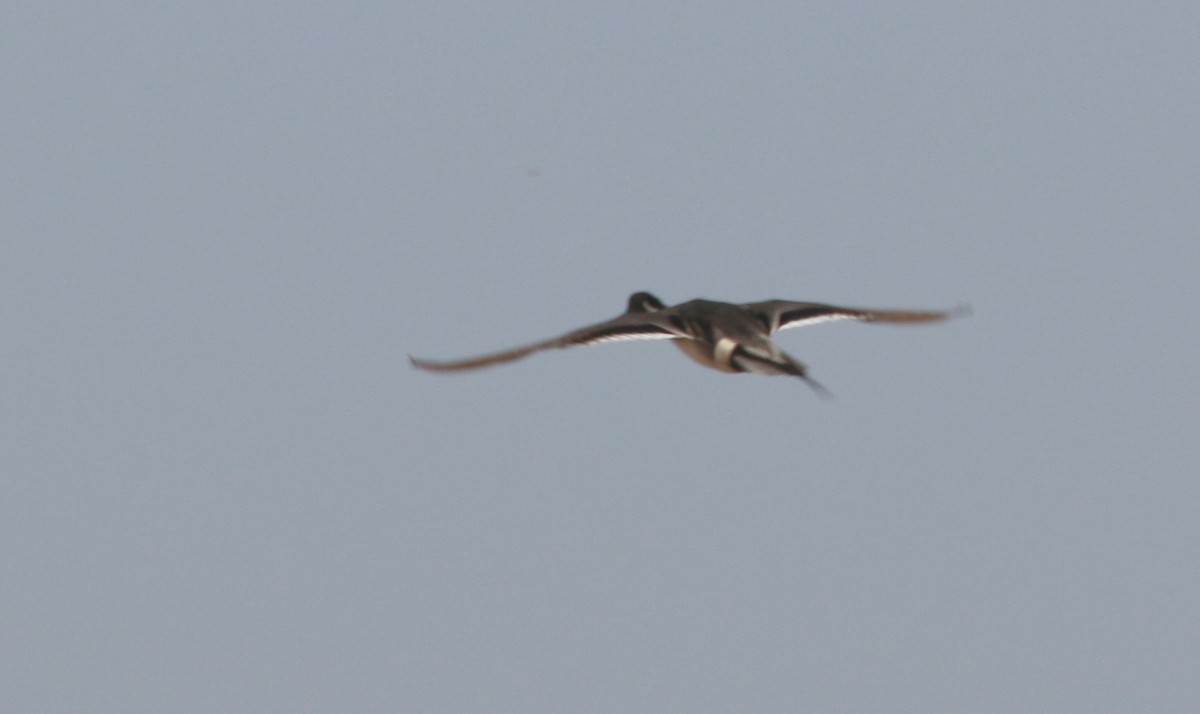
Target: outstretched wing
630	326
783	314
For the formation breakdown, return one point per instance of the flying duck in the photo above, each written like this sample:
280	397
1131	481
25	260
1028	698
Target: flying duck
729	337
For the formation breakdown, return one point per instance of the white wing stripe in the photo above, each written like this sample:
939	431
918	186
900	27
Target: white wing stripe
629	336
817	319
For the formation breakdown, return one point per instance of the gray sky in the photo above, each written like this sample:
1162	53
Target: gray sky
225	227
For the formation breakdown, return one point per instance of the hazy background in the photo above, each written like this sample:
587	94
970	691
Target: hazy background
225	225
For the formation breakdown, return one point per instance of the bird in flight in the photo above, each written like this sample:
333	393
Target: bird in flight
725	336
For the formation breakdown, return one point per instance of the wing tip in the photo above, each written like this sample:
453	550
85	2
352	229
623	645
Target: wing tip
424	364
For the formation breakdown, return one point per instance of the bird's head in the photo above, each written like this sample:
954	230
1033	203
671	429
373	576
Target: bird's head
644	302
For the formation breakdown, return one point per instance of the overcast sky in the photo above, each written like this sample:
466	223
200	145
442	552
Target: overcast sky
225	226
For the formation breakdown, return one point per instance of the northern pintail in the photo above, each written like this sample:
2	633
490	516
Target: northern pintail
725	336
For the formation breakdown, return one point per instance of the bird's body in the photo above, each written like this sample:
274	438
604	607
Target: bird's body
729	337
